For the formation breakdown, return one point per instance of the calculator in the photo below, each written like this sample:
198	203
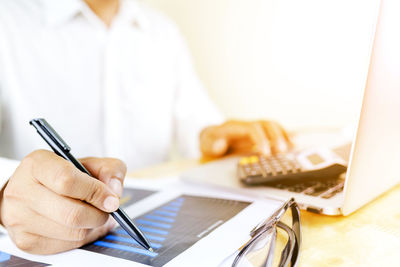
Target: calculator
309	164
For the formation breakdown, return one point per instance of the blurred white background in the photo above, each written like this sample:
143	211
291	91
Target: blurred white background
301	62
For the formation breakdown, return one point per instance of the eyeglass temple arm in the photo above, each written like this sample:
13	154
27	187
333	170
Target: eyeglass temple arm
296	226
292	248
287	252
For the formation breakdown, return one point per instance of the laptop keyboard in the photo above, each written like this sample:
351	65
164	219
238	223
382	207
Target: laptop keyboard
324	189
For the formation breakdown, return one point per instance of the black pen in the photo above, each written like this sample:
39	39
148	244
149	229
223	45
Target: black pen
63	150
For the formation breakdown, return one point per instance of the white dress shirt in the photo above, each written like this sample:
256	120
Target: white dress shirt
127	91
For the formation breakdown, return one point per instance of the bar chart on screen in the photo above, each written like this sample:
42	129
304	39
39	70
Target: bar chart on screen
132	195
14	261
171	229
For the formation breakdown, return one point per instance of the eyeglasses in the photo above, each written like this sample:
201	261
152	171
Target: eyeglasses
260	249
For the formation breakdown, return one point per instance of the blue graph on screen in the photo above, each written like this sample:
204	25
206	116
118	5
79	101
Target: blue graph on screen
8	260
171	229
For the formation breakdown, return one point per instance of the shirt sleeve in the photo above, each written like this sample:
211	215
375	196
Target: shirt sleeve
7	166
194	110
1	75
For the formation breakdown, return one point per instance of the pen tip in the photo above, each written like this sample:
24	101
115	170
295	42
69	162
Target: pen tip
151	250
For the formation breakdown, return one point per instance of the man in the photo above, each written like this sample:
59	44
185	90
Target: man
115	79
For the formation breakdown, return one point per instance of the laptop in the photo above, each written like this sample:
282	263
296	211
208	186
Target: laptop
371	158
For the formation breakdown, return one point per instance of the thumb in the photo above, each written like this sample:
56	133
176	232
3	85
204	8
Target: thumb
212	142
108	170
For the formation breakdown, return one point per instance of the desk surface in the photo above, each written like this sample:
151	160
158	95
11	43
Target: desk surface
368	237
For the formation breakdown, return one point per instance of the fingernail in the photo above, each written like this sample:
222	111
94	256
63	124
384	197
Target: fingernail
116	186
111	203
119	175
282	145
265	149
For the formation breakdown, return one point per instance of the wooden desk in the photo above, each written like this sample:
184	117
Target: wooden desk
368	237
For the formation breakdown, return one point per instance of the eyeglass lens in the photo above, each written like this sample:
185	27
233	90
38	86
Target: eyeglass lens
274	246
259	250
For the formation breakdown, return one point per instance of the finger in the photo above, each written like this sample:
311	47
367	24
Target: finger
233	132
108	170
64	211
280	141
213	143
217	140
285	135
40	225
99	232
274	136
65	179
260	139
243	145
37	244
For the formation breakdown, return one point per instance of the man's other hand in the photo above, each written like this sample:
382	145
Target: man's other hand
266	137
49	206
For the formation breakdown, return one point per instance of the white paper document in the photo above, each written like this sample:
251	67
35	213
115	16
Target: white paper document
187	225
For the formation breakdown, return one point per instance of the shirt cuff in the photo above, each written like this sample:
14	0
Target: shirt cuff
7	168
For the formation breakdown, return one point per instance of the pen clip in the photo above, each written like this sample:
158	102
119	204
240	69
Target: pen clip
51	133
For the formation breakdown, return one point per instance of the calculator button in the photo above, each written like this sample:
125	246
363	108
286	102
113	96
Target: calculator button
244	161
256	168
253	159
247	169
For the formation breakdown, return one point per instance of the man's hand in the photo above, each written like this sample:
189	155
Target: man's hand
265	137
49	206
